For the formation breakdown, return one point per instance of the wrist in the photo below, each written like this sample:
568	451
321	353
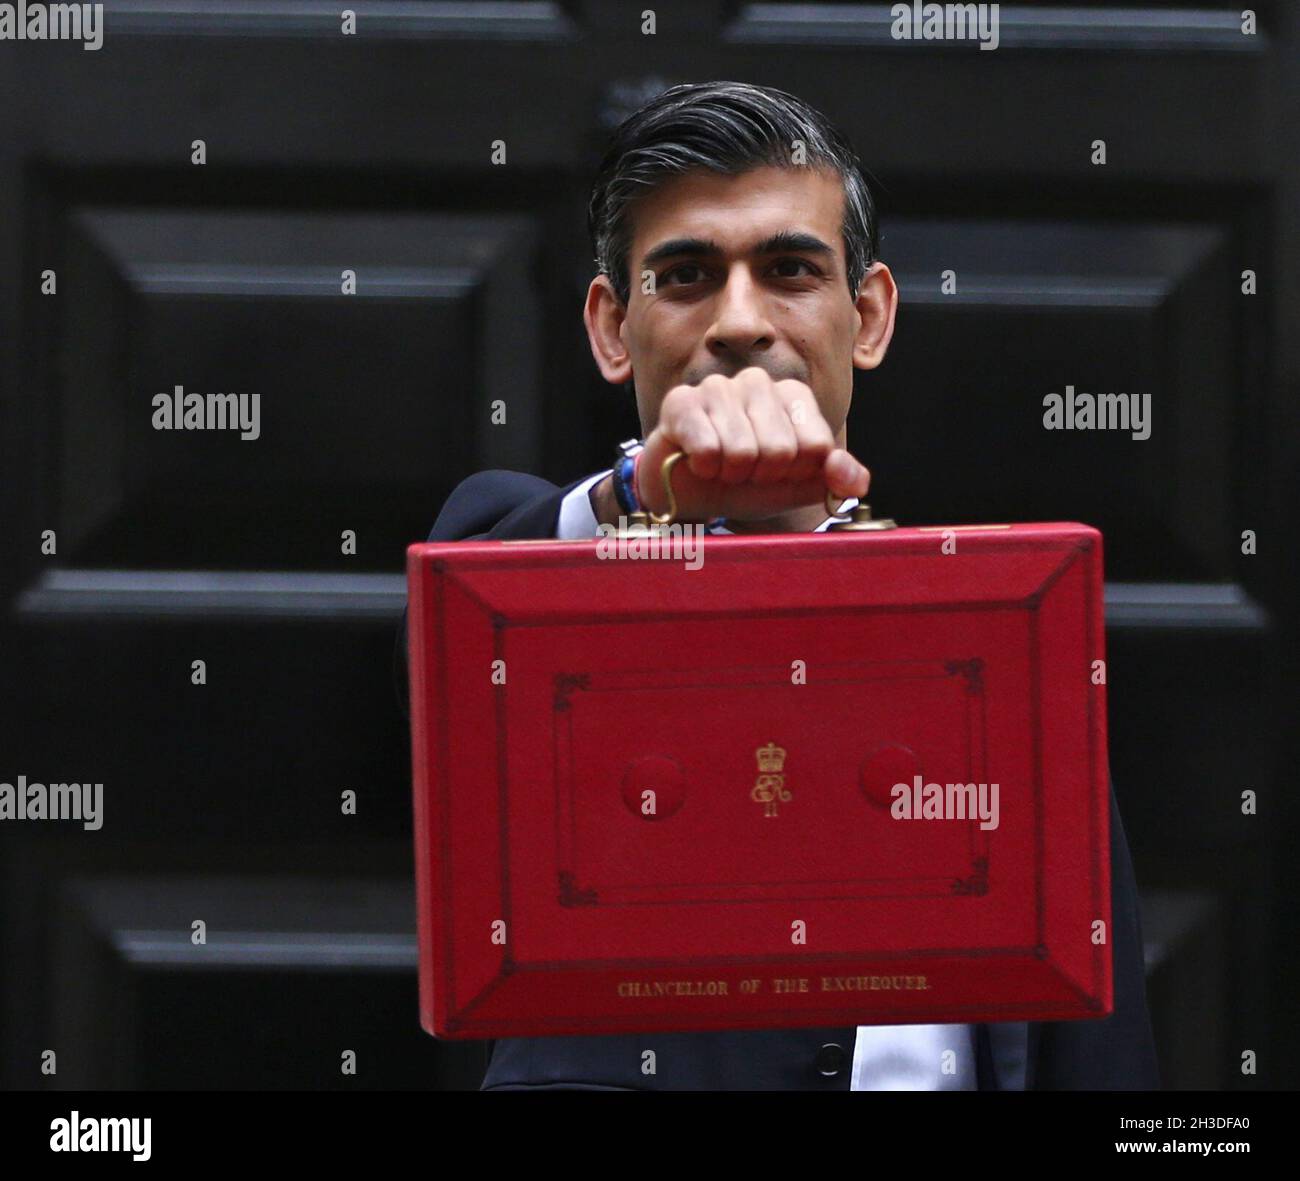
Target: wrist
604	504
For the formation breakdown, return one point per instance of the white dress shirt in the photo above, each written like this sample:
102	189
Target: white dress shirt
885	1057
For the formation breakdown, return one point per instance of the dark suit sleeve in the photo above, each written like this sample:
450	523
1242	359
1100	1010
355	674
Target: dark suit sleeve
1117	1053
487	505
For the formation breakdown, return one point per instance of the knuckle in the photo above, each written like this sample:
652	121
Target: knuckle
712	390
754	382
741	453
679	401
781	453
791	389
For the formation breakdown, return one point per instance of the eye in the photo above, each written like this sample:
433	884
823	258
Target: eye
687	272
782	265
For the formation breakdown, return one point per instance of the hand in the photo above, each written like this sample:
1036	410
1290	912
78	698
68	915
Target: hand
755	447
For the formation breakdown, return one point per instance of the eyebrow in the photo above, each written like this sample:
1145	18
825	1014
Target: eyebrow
786	240
794	240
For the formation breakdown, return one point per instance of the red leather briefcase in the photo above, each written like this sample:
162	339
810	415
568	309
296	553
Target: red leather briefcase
846	778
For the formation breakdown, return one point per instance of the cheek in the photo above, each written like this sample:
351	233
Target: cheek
825	342
668	335
639	338
845	331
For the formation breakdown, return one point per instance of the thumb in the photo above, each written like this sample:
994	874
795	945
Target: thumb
844	475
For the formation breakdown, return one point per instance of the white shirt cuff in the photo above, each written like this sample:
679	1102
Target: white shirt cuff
911	1058
577	520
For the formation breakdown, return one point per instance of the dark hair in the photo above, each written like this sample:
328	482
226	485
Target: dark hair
726	127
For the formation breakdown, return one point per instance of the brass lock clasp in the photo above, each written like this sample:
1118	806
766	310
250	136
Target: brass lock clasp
859	519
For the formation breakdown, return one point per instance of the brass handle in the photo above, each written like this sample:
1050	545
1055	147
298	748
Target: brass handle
666	474
860	518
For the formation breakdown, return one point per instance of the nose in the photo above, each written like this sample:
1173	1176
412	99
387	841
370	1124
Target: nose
740	325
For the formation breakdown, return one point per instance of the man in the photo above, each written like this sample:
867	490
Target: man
738	290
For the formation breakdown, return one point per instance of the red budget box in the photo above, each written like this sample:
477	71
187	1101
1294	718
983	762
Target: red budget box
784	780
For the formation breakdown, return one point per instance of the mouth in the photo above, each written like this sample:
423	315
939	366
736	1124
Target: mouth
777	372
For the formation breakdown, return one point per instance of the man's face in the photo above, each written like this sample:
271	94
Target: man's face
748	270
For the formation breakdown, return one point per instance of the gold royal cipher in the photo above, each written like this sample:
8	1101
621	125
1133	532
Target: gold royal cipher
770	787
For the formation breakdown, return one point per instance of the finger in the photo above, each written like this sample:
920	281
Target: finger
813	436
686	426
844	475
778	446
739	447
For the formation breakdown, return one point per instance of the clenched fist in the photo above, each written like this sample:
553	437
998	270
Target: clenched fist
755	447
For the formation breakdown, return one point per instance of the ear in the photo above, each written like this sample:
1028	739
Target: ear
877	303
604	314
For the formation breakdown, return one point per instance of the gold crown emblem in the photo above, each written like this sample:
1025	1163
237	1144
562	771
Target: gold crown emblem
771	758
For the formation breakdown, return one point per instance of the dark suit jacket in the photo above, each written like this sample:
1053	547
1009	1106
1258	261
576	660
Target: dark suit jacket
1116	1053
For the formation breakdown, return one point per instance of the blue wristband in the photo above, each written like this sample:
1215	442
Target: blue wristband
624	493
